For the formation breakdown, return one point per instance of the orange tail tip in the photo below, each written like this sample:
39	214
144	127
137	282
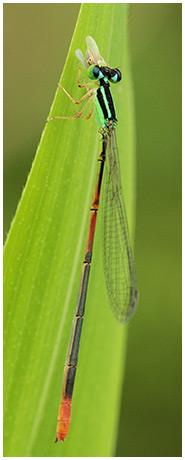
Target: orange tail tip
64	418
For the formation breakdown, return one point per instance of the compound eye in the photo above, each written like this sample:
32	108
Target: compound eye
93	72
96	71
116	76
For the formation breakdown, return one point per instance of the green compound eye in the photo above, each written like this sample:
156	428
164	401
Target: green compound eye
94	72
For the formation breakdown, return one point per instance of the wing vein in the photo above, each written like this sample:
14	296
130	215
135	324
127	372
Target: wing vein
117	253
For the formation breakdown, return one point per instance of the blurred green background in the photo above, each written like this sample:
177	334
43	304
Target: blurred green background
36	41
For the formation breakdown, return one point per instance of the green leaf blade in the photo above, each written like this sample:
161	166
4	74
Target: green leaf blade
43	257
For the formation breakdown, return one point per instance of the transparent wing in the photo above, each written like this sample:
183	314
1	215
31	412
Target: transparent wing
117	253
92	52
81	58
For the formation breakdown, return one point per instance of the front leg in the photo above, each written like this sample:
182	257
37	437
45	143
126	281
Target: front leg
89	93
85	85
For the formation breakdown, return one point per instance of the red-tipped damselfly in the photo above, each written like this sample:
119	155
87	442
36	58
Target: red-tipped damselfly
117	253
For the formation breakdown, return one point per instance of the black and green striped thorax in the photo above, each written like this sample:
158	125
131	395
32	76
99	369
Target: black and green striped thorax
104	103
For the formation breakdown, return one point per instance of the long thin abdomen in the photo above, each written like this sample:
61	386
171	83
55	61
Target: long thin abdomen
64	415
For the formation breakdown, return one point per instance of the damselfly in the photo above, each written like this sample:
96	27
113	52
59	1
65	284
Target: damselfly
117	253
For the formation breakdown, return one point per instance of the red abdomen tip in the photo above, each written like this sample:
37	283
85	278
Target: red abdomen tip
64	417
